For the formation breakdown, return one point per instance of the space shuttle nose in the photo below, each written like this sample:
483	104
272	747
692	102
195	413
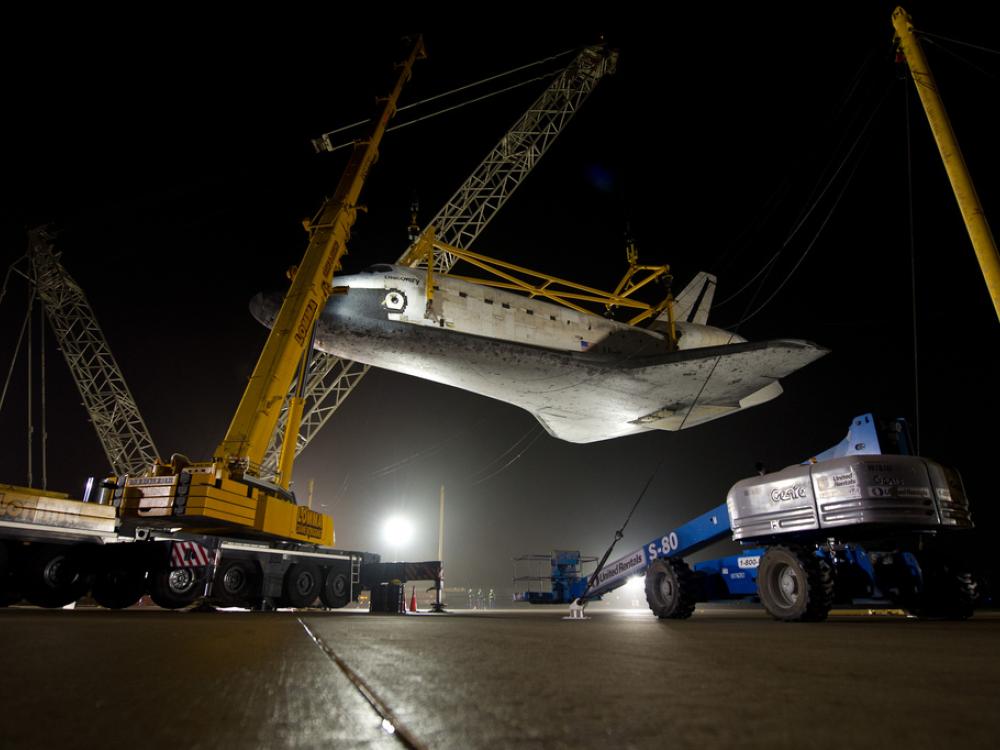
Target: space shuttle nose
264	308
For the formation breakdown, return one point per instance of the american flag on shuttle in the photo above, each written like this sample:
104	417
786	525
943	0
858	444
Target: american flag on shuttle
584	344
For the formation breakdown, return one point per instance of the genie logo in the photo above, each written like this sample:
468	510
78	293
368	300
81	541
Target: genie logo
793	492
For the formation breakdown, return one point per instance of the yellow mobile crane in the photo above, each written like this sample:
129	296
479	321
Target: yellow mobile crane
228	496
180	530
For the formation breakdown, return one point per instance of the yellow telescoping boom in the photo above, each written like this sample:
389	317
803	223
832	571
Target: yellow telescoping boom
954	163
228	495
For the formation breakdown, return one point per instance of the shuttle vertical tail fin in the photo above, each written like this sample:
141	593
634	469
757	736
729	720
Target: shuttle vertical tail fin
695	300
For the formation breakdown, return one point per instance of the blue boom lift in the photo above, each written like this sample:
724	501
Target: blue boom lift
862	520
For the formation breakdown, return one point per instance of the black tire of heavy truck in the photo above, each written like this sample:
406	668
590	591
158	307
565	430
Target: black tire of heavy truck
176	588
302	585
794	585
52	575
9	593
336	591
117	586
670	589
237	583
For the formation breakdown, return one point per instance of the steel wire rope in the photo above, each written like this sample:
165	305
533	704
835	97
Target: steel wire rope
620	532
913	268
771	203
439	112
747	316
813	202
455	90
401	463
809	247
17	347
958	41
514	459
965	60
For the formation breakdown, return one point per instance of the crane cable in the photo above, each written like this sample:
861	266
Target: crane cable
17	347
619	533
913	269
466	103
505	453
811	208
959	41
325	137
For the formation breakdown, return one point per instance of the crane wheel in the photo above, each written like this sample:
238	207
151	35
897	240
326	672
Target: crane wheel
118	586
176	588
53	576
336	591
237	583
670	586
795	585
9	593
302	585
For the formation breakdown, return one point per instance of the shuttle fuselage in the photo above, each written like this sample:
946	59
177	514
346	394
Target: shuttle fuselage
584	377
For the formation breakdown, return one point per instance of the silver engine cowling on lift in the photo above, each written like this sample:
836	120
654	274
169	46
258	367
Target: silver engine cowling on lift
874	491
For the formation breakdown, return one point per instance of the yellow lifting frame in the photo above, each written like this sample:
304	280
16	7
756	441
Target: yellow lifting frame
538	284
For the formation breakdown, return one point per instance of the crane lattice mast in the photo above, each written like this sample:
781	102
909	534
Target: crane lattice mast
106	397
461	220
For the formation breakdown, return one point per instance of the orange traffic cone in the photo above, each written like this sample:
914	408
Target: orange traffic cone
413	600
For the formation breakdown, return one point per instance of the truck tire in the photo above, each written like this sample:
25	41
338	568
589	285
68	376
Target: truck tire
302	585
9	593
794	585
118	586
670	589
336	591
948	591
237	583
53	576
176	588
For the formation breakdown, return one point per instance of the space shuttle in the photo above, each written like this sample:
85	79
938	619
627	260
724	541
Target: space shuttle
584	377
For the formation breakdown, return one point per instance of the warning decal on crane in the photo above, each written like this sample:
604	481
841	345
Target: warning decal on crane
190	555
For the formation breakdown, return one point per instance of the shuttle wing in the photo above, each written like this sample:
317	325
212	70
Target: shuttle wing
675	391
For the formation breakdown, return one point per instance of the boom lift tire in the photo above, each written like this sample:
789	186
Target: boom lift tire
336	591
175	588
794	585
670	589
52	576
302	584
948	591
237	583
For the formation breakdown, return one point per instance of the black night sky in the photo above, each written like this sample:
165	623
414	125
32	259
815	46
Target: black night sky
175	163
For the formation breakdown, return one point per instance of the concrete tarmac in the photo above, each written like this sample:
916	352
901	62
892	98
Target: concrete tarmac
727	678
